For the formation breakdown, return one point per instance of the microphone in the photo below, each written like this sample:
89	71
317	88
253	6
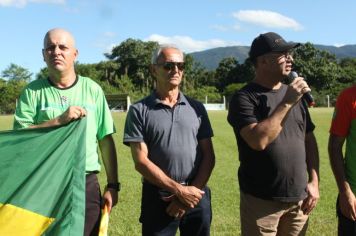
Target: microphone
308	98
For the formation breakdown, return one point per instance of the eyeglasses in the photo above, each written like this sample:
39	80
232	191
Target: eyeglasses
170	65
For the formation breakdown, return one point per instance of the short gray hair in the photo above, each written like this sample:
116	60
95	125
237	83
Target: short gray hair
157	53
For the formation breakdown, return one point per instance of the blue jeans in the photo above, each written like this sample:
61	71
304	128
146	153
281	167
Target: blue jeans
346	226
155	221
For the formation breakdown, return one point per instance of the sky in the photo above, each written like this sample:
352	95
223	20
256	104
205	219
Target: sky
192	25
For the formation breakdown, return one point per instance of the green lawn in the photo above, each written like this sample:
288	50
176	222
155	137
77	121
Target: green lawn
223	182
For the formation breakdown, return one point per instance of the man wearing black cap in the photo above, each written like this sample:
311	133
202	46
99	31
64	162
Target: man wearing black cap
279	160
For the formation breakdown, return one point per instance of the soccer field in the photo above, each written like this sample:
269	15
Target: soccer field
223	182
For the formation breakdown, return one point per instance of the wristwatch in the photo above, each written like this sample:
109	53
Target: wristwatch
116	186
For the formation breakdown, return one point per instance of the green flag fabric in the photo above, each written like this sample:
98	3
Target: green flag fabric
42	181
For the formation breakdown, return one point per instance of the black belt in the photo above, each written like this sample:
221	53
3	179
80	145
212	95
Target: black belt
91	172
184	183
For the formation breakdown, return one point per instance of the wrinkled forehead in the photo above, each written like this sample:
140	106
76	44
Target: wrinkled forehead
58	37
171	54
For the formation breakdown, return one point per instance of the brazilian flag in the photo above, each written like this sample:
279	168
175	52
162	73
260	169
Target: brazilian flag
42	181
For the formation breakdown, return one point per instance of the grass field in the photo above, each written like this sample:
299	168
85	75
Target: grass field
223	182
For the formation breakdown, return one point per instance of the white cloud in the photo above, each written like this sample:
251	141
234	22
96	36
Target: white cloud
219	28
109	34
187	44
104	42
339	44
237	27
15	3
23	3
49	1
267	19
105	47
223	28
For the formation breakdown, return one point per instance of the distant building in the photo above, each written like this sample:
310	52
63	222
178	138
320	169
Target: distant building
118	102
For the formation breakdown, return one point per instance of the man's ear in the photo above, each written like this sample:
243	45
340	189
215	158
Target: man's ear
76	53
263	60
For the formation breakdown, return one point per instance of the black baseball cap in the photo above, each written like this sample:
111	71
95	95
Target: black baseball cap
269	42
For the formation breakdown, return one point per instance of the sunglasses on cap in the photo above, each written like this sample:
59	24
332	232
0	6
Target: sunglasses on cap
170	65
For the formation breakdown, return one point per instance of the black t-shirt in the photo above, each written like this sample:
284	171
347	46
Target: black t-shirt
279	172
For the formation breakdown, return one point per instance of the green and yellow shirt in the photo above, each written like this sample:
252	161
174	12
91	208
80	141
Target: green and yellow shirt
41	101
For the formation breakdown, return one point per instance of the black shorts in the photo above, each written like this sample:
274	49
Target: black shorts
92	205
346	226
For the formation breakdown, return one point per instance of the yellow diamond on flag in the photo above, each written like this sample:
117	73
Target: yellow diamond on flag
16	221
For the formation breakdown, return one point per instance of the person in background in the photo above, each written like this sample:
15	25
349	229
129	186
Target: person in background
65	96
344	166
278	153
170	139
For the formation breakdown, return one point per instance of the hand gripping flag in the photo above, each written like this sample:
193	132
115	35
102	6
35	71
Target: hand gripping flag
42	181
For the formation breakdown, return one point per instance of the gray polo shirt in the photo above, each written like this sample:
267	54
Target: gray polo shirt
171	134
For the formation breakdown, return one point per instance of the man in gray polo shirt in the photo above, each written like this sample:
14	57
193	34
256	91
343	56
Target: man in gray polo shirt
170	139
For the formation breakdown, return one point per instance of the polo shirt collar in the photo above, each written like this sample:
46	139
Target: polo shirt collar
182	100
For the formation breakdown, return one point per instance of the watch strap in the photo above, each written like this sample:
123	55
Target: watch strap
116	186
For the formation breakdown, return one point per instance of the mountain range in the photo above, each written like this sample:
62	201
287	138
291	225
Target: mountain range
210	58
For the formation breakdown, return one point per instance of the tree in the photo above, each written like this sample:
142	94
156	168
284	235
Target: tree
348	74
194	74
89	70
319	68
244	72
10	91
109	71
209	92
205	78
133	57
18	73
224	74
43	74
231	89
